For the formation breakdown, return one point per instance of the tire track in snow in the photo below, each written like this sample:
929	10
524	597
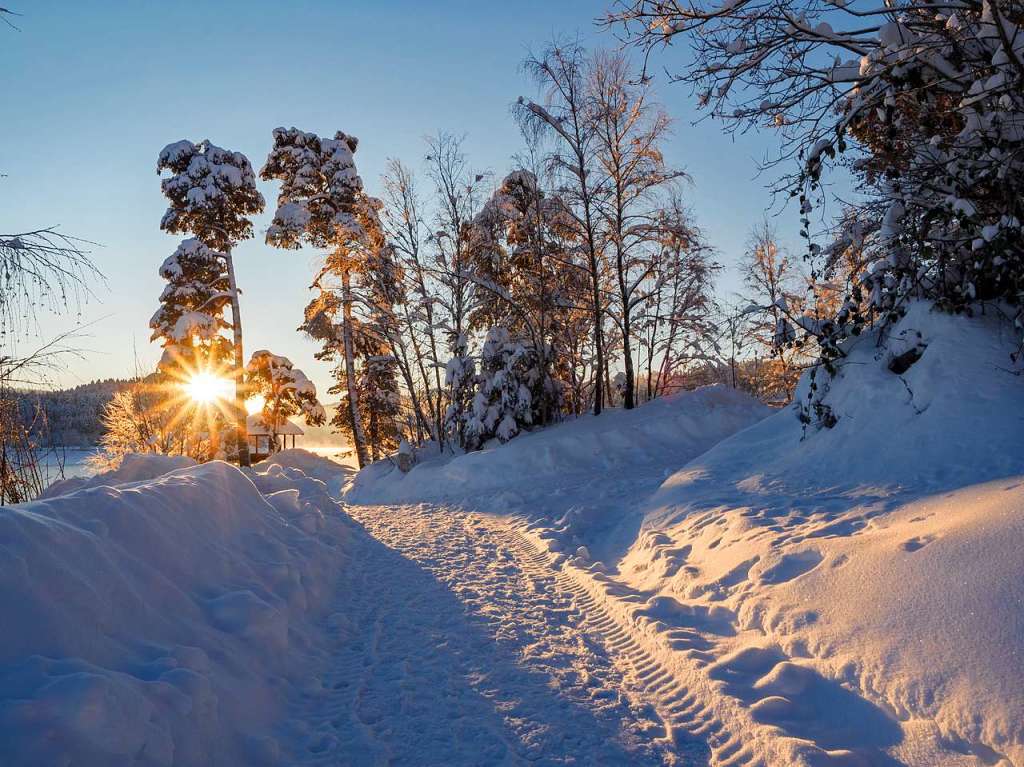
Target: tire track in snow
449	646
696	712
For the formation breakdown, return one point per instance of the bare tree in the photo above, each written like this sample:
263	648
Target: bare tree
566	115
403	224
629	129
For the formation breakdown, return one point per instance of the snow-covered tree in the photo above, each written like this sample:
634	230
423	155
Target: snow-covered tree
502	403
521	267
460	381
212	192
322	203
457	199
190	319
139	419
922	101
286	392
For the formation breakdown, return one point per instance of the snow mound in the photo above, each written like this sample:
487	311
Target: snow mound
678	426
302	462
578	482
160	622
135	467
873	569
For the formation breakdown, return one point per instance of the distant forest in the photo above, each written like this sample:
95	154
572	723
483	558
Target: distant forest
73	415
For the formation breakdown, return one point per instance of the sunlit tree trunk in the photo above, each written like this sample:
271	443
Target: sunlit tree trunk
241	433
358	436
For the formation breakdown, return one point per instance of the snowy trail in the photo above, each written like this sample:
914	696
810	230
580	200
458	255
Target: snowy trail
458	645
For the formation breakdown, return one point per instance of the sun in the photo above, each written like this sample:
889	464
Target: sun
205	388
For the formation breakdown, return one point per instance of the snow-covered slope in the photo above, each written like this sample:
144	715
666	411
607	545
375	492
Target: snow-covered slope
579	482
862	584
163	621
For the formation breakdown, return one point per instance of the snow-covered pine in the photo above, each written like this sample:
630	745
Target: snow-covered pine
212	192
190	322
502	404
322	203
286	392
460	381
383	404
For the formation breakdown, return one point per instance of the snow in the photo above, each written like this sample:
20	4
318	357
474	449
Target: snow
577	480
162	621
701	580
135	467
875	565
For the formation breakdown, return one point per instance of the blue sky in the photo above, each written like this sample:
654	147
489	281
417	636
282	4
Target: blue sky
93	90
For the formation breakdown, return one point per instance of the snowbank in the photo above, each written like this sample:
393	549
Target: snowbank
871	571
669	429
578	482
159	622
134	467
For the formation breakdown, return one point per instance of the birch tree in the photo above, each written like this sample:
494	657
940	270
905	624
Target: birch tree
565	114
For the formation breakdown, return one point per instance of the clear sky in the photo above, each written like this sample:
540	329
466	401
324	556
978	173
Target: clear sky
93	90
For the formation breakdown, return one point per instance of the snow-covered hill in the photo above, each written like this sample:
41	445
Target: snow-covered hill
581	481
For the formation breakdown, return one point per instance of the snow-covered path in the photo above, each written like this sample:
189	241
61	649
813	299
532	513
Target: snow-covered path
458	645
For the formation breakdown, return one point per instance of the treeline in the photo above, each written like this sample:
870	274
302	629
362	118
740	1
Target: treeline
72	417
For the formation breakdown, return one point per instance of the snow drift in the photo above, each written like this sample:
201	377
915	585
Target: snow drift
578	482
862	584
160	622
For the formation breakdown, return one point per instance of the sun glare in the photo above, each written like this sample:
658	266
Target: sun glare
207	388
255	404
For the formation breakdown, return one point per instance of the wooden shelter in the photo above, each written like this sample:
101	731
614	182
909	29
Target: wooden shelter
261	439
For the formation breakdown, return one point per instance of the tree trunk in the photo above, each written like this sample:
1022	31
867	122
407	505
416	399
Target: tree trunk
241	433
358	437
629	401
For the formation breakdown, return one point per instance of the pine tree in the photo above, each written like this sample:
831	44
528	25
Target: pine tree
212	192
190	319
322	203
460	380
